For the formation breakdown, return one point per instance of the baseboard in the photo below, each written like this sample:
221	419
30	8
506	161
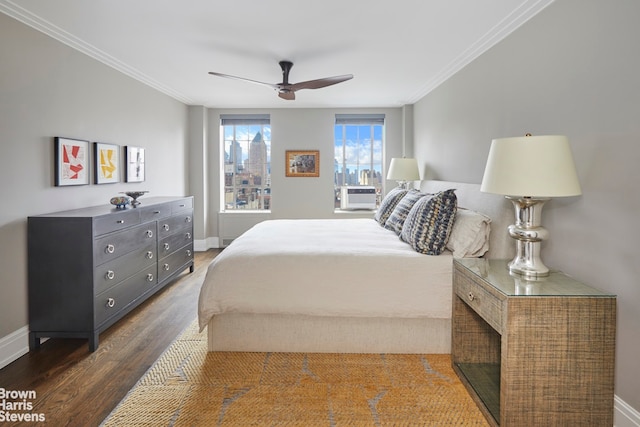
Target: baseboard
205	244
624	415
13	346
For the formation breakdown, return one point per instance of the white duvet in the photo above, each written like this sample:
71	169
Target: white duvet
333	267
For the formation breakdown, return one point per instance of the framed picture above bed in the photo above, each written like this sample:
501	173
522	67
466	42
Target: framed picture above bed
304	163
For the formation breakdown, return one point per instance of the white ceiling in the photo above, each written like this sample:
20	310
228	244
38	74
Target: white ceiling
397	50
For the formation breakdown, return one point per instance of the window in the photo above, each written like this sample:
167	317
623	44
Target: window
247	162
358	152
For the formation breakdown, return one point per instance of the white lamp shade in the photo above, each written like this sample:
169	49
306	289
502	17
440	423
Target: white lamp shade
402	169
531	166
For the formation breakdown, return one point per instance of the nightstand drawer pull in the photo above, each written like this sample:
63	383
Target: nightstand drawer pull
187	219
111	303
166	267
188	236
110	275
149	233
149	255
165	227
471	296
120	221
188	252
149	277
110	249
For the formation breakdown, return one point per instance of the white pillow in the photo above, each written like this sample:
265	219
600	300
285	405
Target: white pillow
470	234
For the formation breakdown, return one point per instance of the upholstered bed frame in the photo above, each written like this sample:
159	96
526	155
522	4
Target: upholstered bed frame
300	333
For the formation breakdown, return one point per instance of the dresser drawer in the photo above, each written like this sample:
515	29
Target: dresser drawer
487	305
112	301
155	212
115	221
180	205
169	244
114	245
175	262
115	271
171	225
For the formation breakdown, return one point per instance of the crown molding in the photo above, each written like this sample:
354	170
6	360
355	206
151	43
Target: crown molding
17	12
509	24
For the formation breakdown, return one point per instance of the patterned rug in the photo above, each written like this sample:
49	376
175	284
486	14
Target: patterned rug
188	386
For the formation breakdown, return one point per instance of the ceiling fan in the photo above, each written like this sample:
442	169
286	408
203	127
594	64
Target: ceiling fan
287	90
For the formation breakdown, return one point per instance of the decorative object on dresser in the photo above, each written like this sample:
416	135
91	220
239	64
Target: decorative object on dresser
135	195
107	163
529	170
120	202
537	352
71	161
403	170
89	267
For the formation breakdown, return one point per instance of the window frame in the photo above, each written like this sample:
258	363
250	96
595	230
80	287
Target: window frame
376	176
262	193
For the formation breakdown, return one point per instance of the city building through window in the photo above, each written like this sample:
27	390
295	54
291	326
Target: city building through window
359	142
247	162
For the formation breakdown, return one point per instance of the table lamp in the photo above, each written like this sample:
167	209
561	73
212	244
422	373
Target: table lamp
530	170
403	170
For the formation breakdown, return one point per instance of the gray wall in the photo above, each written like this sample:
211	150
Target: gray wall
48	89
294	129
573	70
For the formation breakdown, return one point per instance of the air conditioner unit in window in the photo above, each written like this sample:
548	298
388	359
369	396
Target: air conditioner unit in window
359	197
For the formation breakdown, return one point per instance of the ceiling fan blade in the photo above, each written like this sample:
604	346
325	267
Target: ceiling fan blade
288	95
320	83
272	86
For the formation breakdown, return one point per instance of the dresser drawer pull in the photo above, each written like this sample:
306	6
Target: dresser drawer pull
110	275
149	277
471	296
149	255
188	236
183	205
120	221
149	233
111	303
166	267
110	249
165	227
156	212
187	219
188	252
166	246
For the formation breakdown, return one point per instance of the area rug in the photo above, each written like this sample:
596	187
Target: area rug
188	386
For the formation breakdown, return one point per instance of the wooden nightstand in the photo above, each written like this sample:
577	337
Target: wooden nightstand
533	353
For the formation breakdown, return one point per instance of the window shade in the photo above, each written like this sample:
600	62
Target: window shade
359	119
244	119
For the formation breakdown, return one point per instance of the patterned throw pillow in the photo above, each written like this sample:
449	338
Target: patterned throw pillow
388	204
399	214
429	223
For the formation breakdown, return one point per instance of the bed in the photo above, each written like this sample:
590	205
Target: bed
338	285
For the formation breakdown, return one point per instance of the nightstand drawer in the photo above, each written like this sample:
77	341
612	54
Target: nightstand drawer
488	306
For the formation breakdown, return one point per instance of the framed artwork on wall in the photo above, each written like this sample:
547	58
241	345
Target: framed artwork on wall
71	161
134	164
305	163
107	163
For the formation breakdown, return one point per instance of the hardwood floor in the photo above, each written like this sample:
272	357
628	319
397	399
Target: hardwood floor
77	388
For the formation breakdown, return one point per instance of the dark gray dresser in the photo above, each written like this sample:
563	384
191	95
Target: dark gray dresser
89	267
